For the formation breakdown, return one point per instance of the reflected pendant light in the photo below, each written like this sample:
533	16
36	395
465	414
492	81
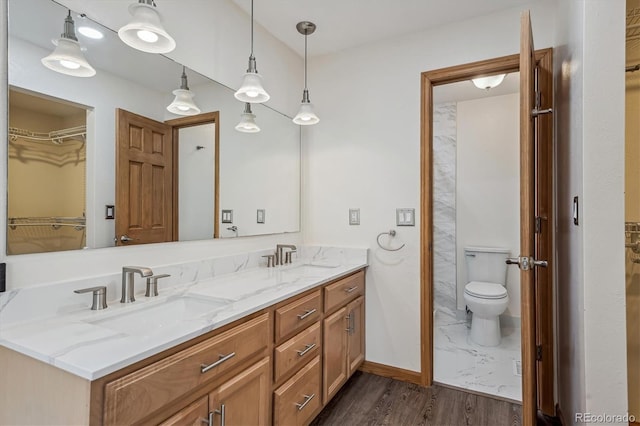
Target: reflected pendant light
251	89
247	123
488	82
306	116
67	57
183	103
144	31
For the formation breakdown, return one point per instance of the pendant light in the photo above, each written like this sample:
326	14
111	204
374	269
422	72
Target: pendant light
306	116
488	82
183	103
144	31
251	89
67	57
248	121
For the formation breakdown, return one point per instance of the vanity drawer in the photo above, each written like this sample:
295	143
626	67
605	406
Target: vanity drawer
343	291
297	315
296	401
130	398
297	351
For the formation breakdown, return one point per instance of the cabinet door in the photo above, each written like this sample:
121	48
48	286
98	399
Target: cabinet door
355	327
243	400
195	414
335	353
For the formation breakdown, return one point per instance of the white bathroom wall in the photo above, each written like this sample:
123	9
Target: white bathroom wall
488	185
216	44
196	182
589	114
365	153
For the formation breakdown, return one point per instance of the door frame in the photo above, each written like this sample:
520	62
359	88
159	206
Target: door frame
190	121
429	79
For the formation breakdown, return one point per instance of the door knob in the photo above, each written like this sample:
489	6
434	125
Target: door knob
125	238
526	263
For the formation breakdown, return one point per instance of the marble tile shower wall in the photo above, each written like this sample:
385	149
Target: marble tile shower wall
444	207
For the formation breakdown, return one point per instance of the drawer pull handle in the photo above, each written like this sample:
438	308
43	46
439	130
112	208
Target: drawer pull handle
351	290
306	313
307	399
307	348
204	368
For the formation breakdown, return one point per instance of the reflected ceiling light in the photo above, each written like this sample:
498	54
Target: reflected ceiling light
488	82
247	123
145	31
183	103
306	116
251	89
67	58
91	33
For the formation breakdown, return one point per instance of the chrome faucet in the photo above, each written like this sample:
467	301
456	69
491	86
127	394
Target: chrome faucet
128	281
280	259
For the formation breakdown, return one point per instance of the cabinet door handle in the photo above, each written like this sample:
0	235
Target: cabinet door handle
348	318
221	411
306	313
307	399
351	290
209	420
307	348
204	368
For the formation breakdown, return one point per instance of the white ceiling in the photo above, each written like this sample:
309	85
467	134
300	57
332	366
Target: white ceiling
348	23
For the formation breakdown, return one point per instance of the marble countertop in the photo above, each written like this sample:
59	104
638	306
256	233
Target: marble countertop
92	344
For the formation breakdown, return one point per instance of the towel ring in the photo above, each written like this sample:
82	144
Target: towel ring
391	233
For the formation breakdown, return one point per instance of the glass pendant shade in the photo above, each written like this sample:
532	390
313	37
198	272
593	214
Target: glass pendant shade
183	103
67	58
488	82
145	32
247	122
251	89
306	116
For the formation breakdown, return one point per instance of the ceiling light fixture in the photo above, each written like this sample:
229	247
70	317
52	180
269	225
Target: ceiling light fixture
248	121
183	103
145	31
67	58
251	89
89	31
488	82
306	116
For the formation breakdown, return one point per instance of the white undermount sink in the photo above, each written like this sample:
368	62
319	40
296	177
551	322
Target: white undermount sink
162	317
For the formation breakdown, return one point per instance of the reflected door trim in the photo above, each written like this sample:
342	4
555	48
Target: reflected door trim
196	120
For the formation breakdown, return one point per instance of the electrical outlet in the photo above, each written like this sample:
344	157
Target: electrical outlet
354	216
260	216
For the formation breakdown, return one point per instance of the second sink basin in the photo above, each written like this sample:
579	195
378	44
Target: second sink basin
162	317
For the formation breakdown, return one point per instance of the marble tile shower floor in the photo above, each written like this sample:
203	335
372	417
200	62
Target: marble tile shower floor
464	364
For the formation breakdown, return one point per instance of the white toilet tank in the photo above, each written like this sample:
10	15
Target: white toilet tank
487	264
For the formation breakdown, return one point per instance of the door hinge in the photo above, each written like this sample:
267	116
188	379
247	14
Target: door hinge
539	353
538	225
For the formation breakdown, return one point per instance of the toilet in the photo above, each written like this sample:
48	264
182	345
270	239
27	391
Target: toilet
485	293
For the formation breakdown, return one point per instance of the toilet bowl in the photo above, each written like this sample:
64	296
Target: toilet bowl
487	301
485	293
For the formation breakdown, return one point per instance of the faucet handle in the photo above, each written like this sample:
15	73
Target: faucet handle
152	284
271	260
99	296
288	256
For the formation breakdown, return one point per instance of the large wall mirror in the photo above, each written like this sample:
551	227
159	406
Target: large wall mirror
65	148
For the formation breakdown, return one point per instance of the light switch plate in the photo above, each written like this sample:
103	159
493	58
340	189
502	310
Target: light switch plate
576	211
227	216
406	217
354	216
109	211
260	216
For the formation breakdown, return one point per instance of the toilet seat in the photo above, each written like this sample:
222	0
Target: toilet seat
484	290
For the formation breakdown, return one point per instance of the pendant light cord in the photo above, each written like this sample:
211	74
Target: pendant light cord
305	62
252	28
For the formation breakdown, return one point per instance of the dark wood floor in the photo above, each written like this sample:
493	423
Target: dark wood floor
367	399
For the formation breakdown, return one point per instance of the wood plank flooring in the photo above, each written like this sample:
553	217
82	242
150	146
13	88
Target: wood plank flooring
367	399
